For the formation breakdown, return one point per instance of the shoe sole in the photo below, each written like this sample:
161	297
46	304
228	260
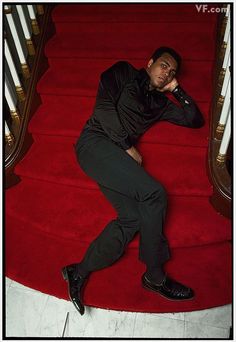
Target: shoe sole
170	299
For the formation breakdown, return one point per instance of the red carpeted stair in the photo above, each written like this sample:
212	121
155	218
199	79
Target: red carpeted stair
56	210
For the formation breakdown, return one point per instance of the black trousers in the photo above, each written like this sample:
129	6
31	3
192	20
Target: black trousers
139	199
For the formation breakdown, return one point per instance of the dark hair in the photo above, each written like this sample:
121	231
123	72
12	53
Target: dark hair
164	49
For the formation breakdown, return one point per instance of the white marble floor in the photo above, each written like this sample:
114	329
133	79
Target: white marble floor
30	313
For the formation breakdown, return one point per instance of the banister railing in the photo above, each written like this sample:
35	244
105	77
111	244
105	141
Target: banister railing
25	30
220	123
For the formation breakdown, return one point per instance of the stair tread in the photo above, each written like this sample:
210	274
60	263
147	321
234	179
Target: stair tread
80	77
131	13
159	162
50	119
191	221
97	40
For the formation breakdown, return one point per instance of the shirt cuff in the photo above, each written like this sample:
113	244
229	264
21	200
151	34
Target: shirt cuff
180	95
178	90
125	144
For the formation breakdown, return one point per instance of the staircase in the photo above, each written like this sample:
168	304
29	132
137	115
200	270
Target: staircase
56	210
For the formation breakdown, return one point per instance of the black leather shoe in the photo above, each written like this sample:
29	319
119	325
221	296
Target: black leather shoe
75	283
169	289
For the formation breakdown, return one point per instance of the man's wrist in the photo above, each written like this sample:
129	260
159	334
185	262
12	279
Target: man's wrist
175	88
125	144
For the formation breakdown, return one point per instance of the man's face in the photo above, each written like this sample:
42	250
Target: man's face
162	71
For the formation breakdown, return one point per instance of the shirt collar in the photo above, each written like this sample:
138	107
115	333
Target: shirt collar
143	79
144	82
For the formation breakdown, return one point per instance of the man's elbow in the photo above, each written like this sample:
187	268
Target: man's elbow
198	122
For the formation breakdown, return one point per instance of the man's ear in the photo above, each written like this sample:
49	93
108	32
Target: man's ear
150	63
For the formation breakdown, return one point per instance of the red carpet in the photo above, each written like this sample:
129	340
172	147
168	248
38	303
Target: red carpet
56	210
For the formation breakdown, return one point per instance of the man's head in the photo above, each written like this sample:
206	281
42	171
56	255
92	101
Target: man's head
163	66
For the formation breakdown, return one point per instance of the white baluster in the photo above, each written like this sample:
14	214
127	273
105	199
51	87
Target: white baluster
31	11
224	112
26	30
11	64
226	80
227	11
225	140
226	66
7	131
34	23
11	104
227	29
9	138
23	21
227	54
20	52
226	105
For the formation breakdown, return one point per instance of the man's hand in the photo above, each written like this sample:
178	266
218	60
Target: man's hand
133	152
170	86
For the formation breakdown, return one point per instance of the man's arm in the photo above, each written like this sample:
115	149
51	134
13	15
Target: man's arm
111	84
188	114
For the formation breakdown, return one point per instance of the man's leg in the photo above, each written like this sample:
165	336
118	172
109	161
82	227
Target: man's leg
110	244
117	172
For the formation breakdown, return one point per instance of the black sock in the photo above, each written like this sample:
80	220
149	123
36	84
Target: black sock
83	272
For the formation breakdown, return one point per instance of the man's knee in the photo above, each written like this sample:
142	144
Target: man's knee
161	193
129	222
159	196
156	194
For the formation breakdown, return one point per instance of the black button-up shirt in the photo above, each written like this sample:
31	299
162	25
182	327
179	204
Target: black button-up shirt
125	107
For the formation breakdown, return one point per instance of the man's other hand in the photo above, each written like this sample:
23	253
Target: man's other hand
133	152
170	86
